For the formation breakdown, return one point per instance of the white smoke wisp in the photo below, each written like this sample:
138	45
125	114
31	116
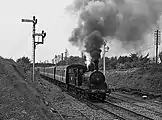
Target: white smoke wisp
88	59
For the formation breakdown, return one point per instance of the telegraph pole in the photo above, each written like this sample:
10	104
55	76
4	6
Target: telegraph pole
66	56
34	21
104	58
157	37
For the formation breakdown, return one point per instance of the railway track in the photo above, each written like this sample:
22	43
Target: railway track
139	98
98	108
75	110
57	111
82	113
78	113
152	106
132	109
115	111
125	113
93	106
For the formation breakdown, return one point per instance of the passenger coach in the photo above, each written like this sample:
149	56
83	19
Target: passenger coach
65	75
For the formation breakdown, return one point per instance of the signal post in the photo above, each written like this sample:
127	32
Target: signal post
43	34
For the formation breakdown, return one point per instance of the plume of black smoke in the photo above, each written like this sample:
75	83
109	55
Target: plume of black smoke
125	20
93	43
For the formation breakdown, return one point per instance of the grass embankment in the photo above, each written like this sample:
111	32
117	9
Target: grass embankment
19	96
146	79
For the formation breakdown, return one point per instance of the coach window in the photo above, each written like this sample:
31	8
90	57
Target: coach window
56	72
50	70
59	72
81	71
63	74
70	70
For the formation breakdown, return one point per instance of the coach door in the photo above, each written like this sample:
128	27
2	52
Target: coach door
76	75
71	76
54	73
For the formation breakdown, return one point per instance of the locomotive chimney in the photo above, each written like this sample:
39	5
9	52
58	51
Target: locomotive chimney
95	58
96	64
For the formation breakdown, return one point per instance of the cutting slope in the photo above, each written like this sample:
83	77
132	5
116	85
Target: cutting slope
148	78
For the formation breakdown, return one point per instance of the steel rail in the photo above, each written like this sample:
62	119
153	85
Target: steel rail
139	106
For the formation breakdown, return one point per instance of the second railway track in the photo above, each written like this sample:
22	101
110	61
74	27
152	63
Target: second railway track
126	113
132	109
152	106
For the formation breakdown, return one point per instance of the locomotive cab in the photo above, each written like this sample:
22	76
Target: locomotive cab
74	76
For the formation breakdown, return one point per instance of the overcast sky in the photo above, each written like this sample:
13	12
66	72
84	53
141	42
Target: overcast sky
16	37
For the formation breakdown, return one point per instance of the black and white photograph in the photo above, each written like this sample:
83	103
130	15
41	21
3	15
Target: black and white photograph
80	60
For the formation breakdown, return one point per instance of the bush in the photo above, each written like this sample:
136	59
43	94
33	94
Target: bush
24	62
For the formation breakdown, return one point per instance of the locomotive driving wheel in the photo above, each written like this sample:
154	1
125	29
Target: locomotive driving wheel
88	96
103	97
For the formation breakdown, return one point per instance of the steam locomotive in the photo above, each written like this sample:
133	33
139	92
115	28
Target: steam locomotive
85	82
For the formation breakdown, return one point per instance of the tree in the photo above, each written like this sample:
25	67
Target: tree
75	59
24	62
134	57
72	60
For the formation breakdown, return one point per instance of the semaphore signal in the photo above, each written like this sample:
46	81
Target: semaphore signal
43	34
